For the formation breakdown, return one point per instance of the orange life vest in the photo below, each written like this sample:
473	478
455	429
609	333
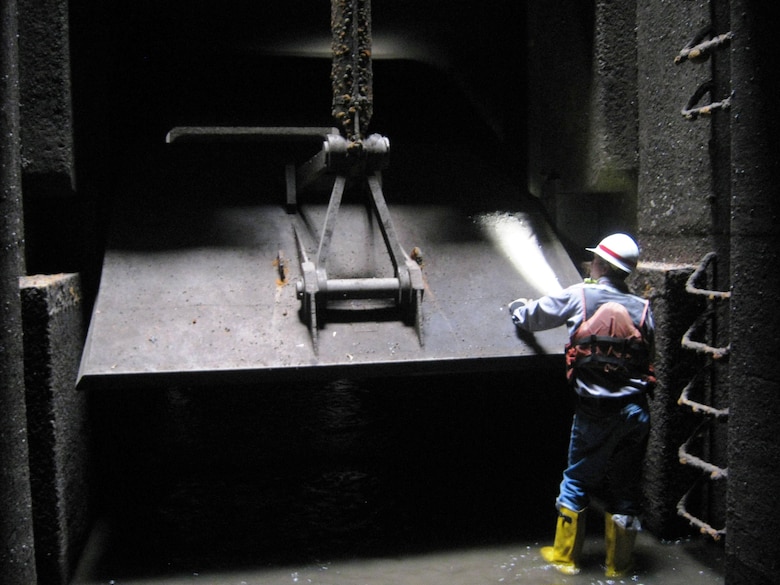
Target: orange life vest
611	340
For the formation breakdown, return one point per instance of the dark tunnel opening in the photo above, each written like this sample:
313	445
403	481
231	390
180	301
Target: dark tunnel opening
230	478
141	68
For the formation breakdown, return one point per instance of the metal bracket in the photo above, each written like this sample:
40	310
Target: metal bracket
362	160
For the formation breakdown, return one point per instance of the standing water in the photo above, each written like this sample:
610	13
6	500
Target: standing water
446	480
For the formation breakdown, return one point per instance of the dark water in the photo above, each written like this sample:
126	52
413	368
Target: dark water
298	482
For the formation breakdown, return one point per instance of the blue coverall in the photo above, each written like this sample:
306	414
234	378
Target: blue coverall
611	421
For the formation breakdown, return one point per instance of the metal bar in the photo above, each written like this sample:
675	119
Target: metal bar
715	352
330	221
686	458
418	316
251	133
703	527
397	254
698	50
714	471
685	400
691	287
307	286
347	286
692	113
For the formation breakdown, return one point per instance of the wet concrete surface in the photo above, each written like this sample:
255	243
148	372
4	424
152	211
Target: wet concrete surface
429	480
690	562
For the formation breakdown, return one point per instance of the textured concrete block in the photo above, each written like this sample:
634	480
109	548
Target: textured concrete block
675	176
665	479
57	422
47	124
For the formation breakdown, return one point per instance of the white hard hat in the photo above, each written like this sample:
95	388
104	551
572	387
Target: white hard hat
620	250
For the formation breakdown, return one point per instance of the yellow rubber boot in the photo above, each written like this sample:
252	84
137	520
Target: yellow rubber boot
564	555
620	536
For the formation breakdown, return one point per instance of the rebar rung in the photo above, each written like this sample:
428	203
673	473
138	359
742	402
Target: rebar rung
710	471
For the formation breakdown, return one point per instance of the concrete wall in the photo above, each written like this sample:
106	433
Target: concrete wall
47	120
43	452
582	117
17	566
678	206
58	425
754	459
675	173
605	126
54	211
608	149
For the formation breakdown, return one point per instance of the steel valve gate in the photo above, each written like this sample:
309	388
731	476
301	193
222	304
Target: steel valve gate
197	286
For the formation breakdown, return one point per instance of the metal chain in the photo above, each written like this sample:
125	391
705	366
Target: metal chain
352	71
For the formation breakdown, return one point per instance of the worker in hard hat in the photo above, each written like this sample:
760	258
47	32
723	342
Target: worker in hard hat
609	365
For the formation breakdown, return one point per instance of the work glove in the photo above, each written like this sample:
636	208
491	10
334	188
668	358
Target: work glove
516	304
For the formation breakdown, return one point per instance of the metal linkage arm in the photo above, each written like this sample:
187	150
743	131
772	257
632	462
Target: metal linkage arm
362	159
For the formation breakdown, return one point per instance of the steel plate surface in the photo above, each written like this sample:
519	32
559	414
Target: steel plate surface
192	291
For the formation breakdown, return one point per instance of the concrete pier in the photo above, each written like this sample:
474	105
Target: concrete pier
58	425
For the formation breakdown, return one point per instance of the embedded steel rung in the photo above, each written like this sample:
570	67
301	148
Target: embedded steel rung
704	527
697	49
696	407
709	470
691	287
